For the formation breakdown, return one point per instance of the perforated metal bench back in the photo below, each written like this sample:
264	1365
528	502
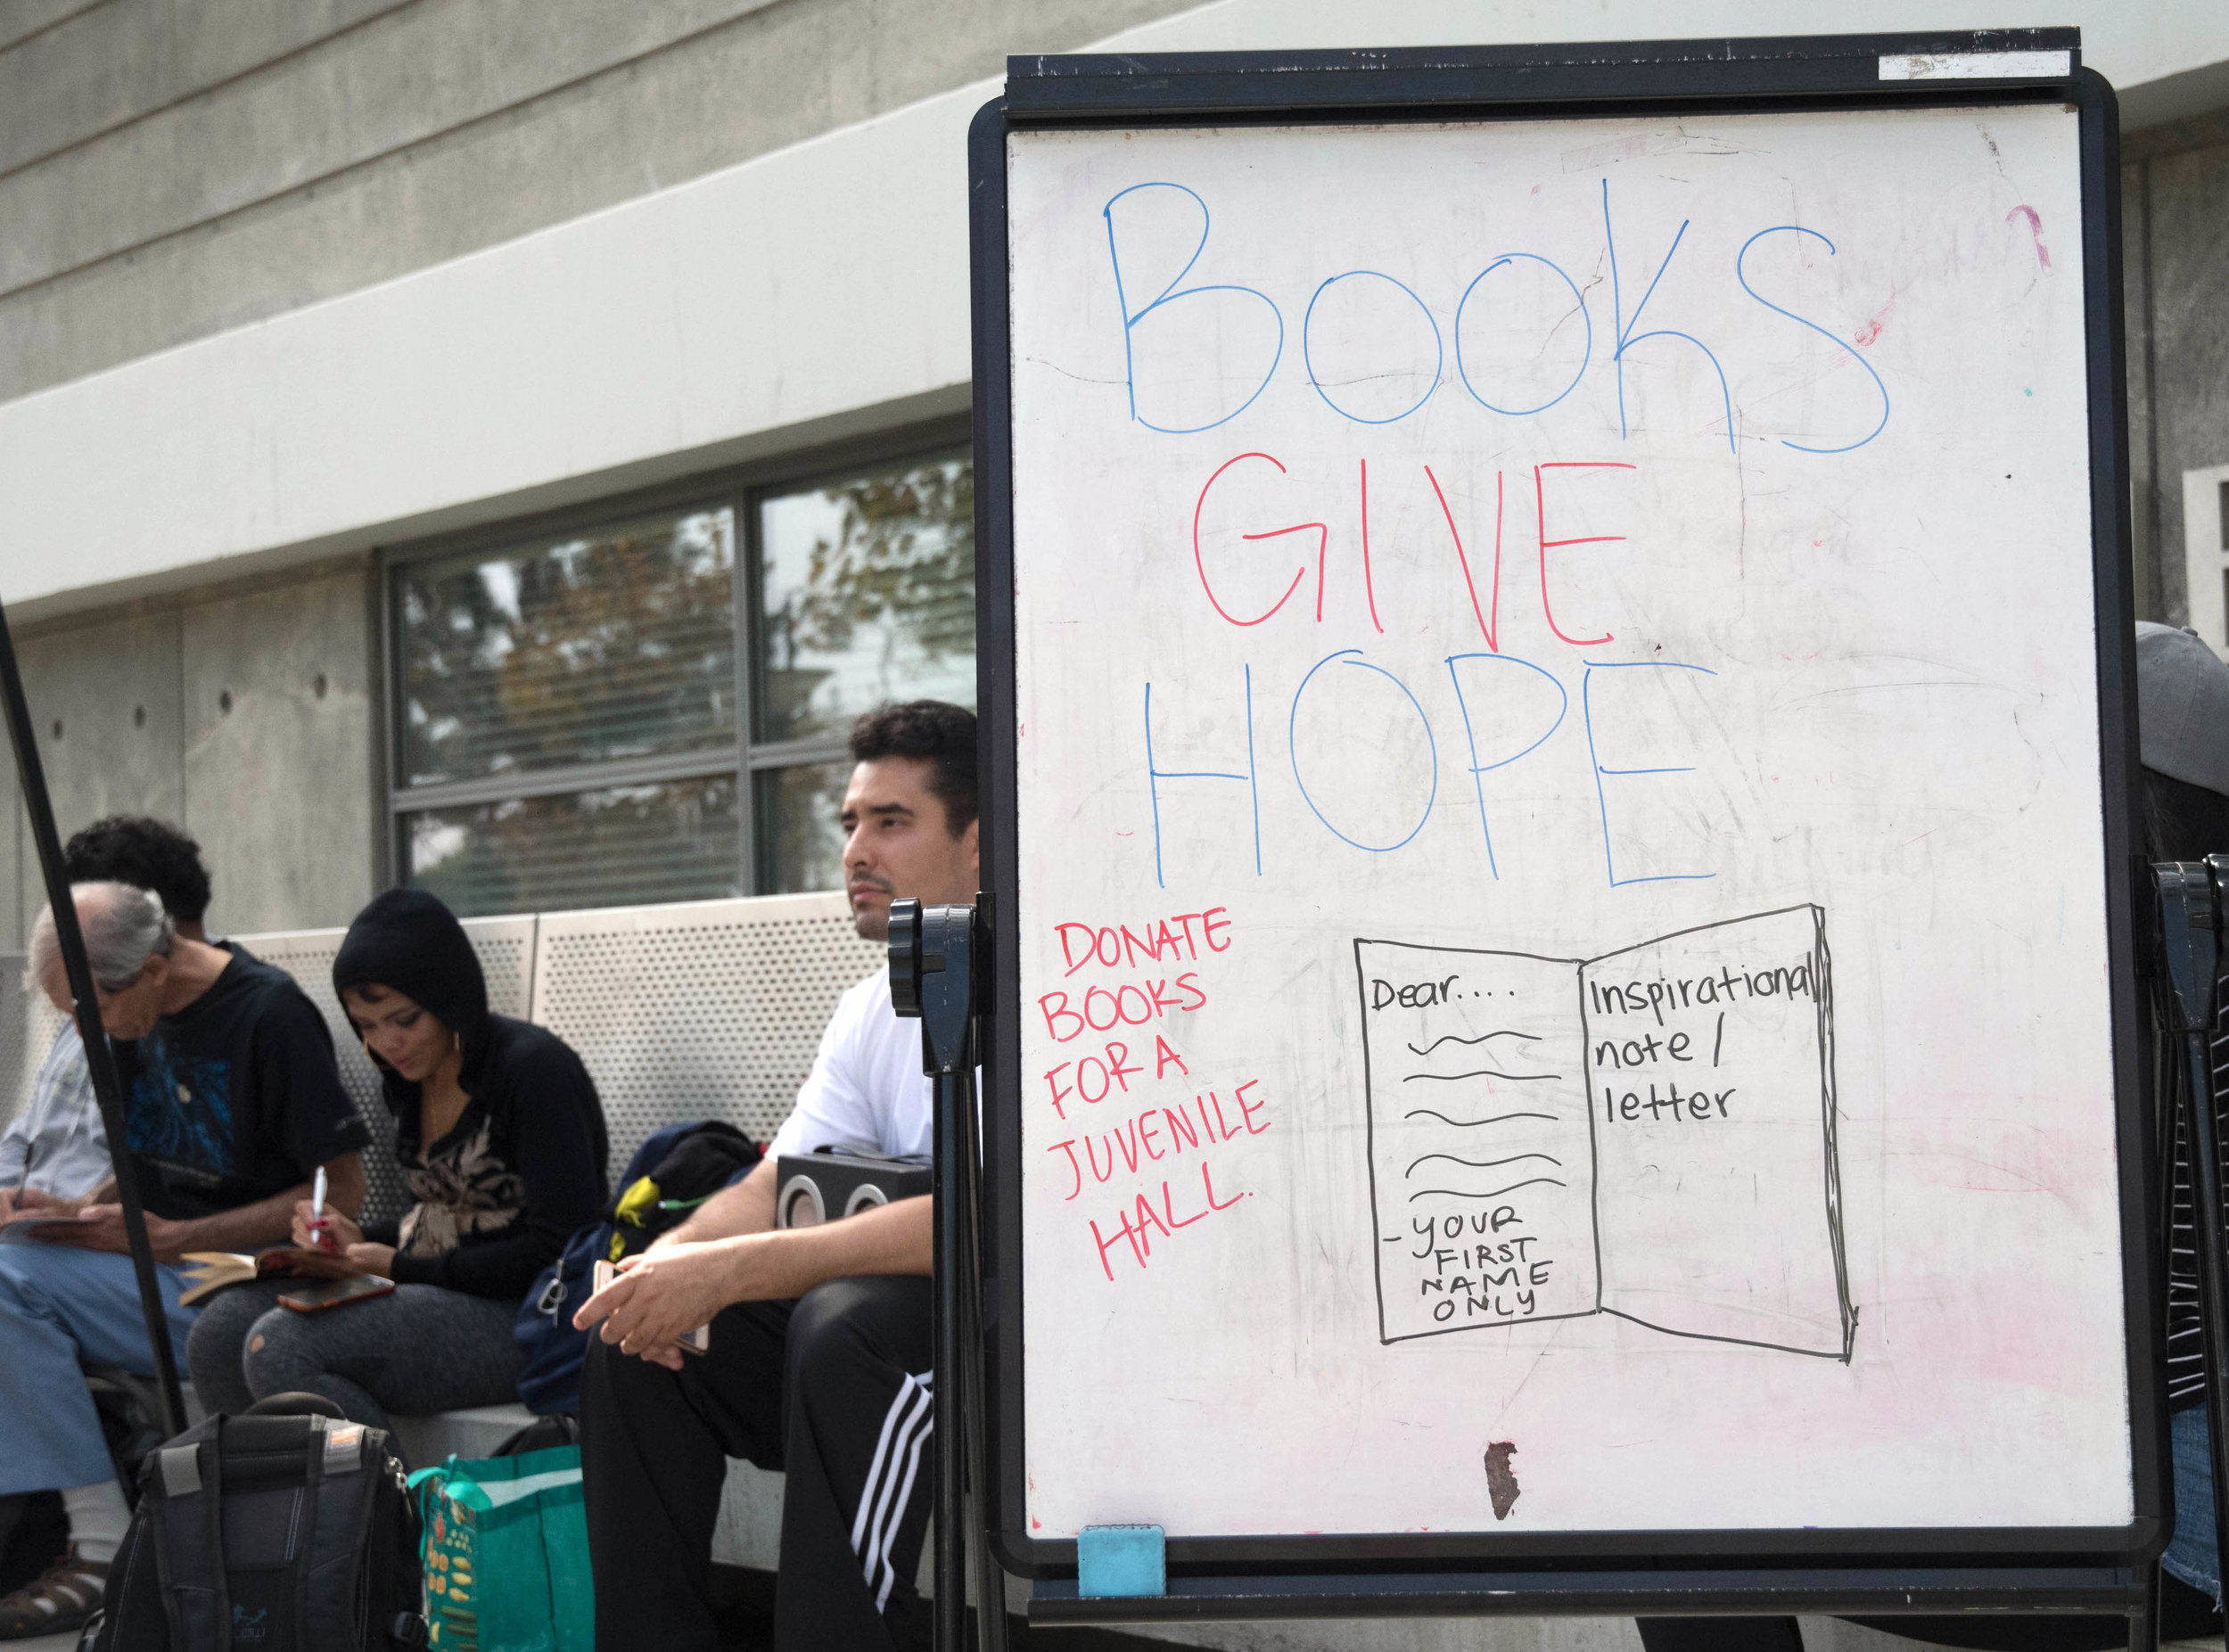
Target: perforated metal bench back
711	1009
707	1009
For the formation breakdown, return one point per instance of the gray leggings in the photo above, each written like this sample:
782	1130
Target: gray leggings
417	1349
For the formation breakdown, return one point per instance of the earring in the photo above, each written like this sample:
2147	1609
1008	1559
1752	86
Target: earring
367	1050
456	1043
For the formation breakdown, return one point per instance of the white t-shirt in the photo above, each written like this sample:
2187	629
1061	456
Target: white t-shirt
866	1089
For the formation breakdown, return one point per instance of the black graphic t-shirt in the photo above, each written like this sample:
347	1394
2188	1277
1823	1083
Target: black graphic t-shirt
235	1097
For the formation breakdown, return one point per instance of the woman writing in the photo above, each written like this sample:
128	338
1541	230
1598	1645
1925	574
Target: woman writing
502	1143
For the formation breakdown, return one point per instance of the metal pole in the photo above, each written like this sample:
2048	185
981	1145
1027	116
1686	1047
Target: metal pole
100	1060
990	1580
2143	1617
933	977
951	1360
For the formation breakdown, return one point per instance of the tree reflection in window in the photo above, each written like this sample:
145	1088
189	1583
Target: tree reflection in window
612	645
867	594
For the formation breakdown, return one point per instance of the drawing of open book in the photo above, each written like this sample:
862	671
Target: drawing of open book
1648	1134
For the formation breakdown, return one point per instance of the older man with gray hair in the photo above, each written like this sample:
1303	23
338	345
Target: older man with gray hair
232	1100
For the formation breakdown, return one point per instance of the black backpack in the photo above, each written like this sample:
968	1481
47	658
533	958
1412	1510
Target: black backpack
675	1170
267	1534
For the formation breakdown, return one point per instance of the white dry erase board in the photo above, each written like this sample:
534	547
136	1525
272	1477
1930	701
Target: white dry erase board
1557	808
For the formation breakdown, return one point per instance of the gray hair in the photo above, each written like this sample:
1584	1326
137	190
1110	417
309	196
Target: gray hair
123	928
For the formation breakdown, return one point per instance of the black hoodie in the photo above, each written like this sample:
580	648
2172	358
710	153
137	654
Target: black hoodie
524	1164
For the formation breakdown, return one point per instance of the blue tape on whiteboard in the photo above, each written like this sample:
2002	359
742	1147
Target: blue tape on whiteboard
1122	1560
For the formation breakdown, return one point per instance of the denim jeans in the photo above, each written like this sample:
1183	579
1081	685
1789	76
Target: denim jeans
59	1306
2194	1556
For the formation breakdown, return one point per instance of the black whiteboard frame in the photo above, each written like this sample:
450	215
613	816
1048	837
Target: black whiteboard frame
1918	1568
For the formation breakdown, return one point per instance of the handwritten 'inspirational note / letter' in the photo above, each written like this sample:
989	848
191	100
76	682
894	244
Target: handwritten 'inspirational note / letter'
1648	1134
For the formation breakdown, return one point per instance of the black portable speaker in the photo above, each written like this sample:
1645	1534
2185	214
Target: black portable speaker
834	1183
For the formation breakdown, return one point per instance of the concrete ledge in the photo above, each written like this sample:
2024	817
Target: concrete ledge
426	1441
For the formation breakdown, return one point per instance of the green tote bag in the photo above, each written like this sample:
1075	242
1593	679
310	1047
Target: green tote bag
507	1554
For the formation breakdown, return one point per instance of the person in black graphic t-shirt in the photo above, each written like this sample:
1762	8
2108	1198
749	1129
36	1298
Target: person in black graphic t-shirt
232	1101
232	1094
213	1095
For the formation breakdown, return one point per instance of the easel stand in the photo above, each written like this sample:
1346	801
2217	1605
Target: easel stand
100	1061
933	975
1272	145
2192	907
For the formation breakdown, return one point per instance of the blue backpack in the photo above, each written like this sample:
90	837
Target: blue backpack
670	1175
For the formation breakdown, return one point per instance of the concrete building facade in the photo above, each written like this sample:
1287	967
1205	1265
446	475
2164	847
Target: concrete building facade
297	296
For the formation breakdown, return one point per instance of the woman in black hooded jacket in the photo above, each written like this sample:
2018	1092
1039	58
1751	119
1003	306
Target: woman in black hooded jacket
502	1141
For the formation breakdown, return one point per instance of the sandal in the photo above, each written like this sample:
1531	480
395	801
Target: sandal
59	1599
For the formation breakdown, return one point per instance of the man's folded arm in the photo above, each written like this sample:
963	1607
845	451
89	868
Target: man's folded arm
776	1265
715	1260
890	1238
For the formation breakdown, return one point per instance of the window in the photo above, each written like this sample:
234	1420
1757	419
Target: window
651	704
864	592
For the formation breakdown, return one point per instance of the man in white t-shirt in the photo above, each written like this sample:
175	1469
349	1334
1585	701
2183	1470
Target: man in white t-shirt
821	1356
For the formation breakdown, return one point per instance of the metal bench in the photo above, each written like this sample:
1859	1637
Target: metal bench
708	1009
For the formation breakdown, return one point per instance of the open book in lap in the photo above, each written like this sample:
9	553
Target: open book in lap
208	1272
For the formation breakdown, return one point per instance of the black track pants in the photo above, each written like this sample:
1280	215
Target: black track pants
834	1389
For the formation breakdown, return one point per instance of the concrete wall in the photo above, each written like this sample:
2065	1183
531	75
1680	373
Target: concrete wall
811	290
2175	208
287	280
250	717
281	730
172	168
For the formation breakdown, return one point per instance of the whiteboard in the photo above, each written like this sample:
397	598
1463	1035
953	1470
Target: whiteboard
1561	884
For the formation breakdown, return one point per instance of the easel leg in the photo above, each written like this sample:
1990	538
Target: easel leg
989	1580
951	1613
932	977
2144	1619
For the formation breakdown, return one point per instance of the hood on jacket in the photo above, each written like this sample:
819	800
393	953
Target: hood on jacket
408	942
